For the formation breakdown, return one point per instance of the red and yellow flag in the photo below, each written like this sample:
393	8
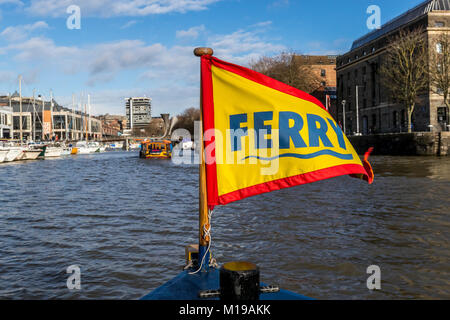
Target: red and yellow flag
262	135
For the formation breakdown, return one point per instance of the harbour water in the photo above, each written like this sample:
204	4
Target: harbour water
125	221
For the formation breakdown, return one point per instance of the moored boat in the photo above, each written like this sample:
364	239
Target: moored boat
53	152
3	154
86	148
31	154
14	154
67	151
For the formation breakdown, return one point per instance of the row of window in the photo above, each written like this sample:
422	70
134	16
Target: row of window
356	56
4	119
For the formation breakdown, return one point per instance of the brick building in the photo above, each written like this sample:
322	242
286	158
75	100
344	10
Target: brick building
113	125
324	69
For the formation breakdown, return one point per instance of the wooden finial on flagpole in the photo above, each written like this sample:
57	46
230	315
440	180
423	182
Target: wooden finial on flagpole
203	51
204	223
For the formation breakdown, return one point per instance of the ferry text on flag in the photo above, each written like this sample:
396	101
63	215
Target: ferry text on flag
262	135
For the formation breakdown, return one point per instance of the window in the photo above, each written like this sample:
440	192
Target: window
323	73
395	119
323	83
439	47
439	24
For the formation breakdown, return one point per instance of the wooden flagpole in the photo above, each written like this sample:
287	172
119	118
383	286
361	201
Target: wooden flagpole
203	205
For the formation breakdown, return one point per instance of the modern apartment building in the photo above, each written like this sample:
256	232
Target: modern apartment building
138	112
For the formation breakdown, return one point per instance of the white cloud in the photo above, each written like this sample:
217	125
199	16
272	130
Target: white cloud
335	47
279	3
111	8
16	2
7	76
168	74
263	24
128	24
16	33
191	33
243	46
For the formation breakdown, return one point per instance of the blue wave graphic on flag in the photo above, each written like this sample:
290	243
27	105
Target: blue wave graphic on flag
332	153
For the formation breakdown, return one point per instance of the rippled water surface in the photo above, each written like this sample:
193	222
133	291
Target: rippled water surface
125	222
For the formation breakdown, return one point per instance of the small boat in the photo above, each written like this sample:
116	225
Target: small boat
67	151
187	145
13	153
86	148
115	146
135	146
31	154
53	152
3	154
96	147
156	150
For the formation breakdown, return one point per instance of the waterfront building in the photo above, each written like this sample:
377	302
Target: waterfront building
324	69
5	121
138	112
113	125
368	108
37	119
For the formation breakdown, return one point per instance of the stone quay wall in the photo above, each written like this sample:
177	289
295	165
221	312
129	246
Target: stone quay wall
404	144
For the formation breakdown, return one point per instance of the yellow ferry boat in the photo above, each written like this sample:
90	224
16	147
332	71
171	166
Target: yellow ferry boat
156	149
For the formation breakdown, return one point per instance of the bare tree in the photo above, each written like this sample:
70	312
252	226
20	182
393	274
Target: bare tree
404	71
288	68
187	118
440	66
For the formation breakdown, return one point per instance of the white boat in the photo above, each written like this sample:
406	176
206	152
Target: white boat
31	154
94	146
114	146
53	152
14	153
86	148
66	151
3	154
135	146
187	145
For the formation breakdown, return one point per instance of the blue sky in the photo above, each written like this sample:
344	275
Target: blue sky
144	47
